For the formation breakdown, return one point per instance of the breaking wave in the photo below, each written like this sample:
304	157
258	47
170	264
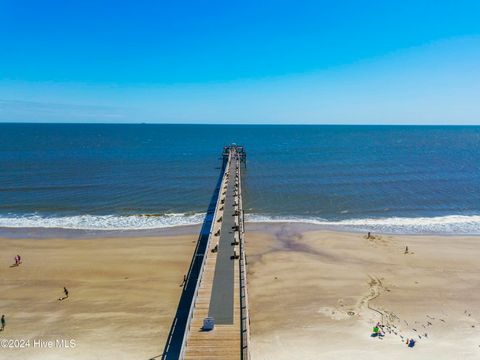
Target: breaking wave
452	224
102	222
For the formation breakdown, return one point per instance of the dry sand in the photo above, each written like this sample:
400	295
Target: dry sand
123	295
318	294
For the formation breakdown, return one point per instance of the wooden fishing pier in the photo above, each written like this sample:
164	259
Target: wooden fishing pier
212	319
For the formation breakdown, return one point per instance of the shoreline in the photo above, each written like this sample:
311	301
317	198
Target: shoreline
257	226
48	233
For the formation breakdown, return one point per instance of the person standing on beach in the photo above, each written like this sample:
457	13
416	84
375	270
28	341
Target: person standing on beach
3	322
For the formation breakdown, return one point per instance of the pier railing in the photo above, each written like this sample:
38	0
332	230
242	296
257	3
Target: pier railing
244	307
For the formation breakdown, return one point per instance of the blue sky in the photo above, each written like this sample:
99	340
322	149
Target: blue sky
354	62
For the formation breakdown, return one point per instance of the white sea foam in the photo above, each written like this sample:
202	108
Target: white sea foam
453	224
102	222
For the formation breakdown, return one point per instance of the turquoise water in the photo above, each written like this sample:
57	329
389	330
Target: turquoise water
398	179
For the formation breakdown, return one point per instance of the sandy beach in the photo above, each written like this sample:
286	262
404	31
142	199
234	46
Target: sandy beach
313	294
123	295
318	294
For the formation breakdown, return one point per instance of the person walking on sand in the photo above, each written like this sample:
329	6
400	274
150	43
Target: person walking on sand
406	249
3	322
18	260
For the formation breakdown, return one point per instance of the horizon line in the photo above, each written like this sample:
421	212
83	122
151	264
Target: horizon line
227	124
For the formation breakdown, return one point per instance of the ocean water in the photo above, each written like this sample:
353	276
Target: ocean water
393	179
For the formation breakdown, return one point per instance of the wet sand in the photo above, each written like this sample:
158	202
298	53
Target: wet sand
123	295
318	294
